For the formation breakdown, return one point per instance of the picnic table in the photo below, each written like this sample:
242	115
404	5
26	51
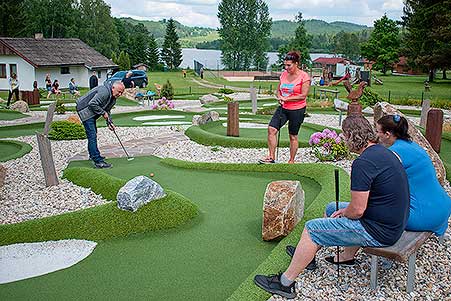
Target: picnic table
323	93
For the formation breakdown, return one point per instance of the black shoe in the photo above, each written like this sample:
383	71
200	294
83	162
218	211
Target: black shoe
311	266
347	263
102	164
101	158
266	161
272	285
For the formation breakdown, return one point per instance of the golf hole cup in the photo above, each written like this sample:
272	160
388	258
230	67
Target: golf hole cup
151	174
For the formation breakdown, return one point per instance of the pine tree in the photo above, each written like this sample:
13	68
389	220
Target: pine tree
153	55
301	43
123	61
114	57
171	52
12	19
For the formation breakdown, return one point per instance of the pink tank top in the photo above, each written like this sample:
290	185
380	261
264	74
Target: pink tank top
293	88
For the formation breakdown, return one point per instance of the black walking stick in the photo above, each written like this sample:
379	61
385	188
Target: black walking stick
337	196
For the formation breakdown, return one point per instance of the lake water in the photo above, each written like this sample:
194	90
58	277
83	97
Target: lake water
211	59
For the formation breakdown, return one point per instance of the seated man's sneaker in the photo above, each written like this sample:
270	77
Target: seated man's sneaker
347	263
311	266
102	164
273	285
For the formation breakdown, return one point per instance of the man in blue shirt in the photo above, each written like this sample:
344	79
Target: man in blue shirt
375	217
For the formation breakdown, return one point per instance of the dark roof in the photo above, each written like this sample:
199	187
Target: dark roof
329	60
57	52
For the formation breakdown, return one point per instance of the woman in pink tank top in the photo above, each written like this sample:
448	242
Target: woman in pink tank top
292	94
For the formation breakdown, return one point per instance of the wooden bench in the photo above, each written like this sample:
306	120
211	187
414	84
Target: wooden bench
323	93
404	250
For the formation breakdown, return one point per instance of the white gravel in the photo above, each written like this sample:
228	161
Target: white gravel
26	260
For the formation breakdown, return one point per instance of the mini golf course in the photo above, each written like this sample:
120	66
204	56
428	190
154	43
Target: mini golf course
212	247
10	149
11	115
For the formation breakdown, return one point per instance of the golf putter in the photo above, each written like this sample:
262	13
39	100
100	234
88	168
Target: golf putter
110	123
337	196
278	134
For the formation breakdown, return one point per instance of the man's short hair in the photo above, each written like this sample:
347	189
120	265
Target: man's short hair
358	132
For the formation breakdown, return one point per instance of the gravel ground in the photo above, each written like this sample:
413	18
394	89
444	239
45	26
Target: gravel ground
25	197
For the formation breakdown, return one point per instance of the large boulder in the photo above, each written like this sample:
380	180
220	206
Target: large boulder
20	106
383	108
205	118
283	208
138	192
208	98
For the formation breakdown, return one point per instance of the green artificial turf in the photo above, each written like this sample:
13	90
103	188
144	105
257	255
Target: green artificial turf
11	115
214	133
28	129
11	149
209	256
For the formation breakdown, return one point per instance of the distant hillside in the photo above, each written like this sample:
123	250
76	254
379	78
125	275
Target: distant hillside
190	37
282	28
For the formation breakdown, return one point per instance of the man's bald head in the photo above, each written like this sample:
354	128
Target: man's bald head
117	89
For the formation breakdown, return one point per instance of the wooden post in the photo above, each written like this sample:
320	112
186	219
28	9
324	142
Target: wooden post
48	120
48	166
424	112
233	121
253	93
434	127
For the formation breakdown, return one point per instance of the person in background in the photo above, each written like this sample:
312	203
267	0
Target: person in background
73	89
93	80
128	82
55	89
48	84
98	102
201	71
13	88
292	95
321	81
376	216
430	205
184	73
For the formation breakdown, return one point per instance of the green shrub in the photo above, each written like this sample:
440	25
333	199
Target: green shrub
66	130
225	91
167	90
370	97
60	108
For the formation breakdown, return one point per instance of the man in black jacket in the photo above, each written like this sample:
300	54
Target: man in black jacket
98	102
93	81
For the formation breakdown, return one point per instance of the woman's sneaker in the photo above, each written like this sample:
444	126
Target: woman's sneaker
102	164
266	161
311	266
273	285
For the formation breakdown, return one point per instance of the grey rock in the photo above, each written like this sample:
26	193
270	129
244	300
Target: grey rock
208	98
368	110
138	192
205	118
20	106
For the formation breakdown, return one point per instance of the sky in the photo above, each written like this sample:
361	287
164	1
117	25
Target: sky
203	12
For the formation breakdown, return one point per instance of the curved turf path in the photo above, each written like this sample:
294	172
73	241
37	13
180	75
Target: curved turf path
207	259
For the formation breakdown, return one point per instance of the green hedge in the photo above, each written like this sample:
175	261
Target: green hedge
22	150
105	221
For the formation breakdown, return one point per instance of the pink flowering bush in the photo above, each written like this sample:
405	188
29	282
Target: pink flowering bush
328	146
163	104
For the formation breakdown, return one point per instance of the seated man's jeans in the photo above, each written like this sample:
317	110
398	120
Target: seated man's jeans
342	231
91	133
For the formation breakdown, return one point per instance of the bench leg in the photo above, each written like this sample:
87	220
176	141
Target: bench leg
373	277
411	272
340	117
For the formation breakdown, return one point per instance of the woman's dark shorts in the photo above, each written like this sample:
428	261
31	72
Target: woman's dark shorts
295	118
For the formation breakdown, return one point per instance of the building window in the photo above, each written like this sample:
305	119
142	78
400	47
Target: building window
99	74
12	69
2	70
65	70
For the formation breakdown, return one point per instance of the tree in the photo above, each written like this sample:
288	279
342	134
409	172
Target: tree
153	54
383	45
96	26
139	41
244	33
114	57
427	36
12	20
123	61
301	42
347	44
171	52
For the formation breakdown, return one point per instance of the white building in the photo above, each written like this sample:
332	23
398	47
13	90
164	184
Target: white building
32	59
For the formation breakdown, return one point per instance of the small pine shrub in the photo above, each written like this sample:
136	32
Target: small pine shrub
370	97
167	90
66	130
60	108
225	91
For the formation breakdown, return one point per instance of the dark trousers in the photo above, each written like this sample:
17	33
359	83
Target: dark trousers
10	95
91	133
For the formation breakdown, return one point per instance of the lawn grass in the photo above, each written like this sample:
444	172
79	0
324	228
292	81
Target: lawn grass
182	86
11	149
21	130
209	256
11	115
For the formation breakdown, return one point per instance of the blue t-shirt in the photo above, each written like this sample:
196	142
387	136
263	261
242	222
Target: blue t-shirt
430	205
380	172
